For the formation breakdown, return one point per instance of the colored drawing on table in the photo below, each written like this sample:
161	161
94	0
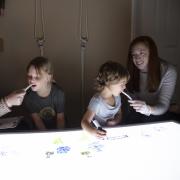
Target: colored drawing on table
58	150
152	131
7	152
96	146
159	128
85	137
57	141
3	153
90	150
86	153
111	138
63	149
49	154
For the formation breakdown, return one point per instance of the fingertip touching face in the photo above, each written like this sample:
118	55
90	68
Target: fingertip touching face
38	78
140	56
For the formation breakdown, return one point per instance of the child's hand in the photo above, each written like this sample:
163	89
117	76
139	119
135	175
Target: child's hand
99	133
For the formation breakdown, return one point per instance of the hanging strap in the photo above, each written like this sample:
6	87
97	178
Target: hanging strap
83	23
2	7
83	42
39	34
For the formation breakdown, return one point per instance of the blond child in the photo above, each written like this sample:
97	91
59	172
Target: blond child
45	100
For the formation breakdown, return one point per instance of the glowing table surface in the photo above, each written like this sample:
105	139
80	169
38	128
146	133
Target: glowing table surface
138	152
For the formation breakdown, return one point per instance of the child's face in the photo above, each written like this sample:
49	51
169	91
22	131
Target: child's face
39	80
118	87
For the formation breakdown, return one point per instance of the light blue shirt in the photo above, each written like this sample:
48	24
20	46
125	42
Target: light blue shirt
104	111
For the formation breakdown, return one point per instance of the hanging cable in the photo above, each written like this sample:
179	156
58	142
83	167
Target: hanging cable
83	23
2	7
83	42
39	34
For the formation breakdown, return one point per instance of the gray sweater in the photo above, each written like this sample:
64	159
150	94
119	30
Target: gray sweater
3	108
159	100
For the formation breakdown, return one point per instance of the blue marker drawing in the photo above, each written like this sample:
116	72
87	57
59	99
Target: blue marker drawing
96	146
63	149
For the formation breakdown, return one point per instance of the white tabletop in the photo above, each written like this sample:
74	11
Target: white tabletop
138	152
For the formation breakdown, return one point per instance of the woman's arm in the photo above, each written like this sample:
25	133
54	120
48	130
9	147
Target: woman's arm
164	95
4	109
13	99
165	92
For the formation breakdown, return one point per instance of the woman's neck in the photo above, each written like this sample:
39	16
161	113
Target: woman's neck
145	70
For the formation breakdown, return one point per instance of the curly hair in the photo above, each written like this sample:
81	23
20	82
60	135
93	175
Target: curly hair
110	73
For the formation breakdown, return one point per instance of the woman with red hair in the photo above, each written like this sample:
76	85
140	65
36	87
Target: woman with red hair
152	80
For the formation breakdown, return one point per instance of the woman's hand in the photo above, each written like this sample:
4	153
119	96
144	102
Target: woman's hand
141	107
15	98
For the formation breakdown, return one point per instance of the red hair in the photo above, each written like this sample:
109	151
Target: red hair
154	72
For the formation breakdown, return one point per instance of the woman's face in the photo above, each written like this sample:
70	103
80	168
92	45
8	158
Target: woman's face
38	80
140	55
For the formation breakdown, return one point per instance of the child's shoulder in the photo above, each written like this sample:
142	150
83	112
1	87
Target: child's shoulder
96	97
56	89
57	86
